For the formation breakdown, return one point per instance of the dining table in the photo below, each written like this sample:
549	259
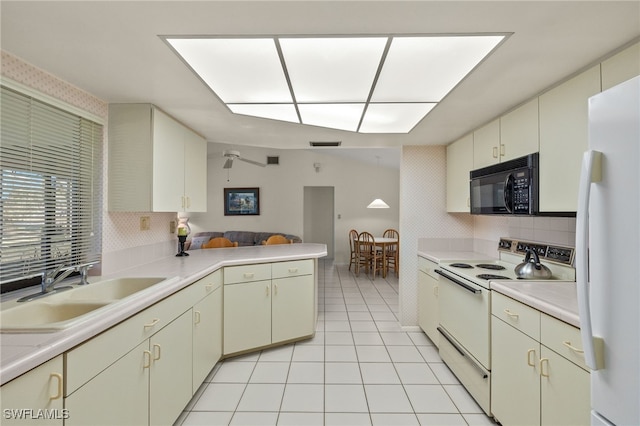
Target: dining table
383	243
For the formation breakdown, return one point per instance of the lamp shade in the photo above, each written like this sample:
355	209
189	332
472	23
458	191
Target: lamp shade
378	204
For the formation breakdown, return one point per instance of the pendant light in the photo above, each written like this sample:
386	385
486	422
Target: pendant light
378	203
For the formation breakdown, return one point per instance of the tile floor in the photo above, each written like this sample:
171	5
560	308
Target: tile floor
361	368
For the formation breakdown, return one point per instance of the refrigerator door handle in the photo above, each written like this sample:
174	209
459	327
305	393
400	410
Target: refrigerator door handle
591	172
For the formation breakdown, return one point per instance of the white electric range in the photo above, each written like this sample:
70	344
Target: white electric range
464	293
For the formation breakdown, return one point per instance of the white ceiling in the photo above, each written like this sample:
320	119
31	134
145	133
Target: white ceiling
112	49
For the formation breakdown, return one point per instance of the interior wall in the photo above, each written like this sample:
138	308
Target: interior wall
282	193
319	217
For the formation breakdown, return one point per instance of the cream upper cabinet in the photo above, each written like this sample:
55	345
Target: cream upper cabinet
486	145
519	132
35	397
155	163
621	67
564	139
459	164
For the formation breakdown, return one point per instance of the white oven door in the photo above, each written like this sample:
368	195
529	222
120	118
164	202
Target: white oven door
464	314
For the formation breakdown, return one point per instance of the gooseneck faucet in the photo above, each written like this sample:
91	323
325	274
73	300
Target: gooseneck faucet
50	279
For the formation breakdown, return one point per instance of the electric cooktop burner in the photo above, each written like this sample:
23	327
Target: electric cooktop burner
491	266
492	277
461	265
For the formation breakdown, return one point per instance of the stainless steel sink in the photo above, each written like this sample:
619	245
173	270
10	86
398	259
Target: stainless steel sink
61	310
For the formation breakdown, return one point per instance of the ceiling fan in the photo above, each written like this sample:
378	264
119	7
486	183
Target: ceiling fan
231	155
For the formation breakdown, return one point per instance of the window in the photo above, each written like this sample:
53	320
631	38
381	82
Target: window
50	187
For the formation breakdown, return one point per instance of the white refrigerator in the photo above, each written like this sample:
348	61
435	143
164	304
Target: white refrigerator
608	254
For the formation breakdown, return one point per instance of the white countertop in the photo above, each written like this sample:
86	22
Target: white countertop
556	298
20	352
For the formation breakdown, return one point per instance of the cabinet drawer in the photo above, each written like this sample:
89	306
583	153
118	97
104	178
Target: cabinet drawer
516	314
562	338
428	266
207	285
91	357
247	273
292	269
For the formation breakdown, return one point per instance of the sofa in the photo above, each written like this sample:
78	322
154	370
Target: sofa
244	238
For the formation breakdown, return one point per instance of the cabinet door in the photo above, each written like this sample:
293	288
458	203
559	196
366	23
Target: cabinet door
170	379
564	139
195	172
292	310
428	313
459	164
38	389
515	381
486	143
207	336
118	395
519	132
247	316
565	391
168	163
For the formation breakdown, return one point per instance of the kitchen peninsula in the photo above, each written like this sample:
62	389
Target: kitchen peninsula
123	334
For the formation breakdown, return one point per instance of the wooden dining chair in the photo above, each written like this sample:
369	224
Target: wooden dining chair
353	241
392	252
276	239
368	255
219	242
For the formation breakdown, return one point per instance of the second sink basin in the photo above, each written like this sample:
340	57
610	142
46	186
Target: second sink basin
113	289
45	316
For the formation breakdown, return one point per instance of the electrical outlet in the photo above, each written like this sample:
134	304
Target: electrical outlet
145	223
172	227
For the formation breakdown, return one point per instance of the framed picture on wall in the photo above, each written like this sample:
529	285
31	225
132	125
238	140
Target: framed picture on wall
241	201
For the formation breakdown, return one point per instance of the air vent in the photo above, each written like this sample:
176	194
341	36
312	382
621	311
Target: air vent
325	144
275	160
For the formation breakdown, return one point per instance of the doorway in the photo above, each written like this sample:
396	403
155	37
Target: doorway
319	216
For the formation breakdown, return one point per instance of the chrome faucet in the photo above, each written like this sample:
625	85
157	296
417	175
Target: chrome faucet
50	279
84	272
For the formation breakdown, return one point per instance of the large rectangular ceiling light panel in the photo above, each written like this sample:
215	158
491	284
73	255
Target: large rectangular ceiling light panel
332	69
425	69
393	118
336	116
241	70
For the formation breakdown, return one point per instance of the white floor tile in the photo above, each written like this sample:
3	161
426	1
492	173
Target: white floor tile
300	419
270	372
342	373
396	339
253	419
308	353
345	399
338	338
337	326
336	316
388	326
317	339
430	399
404	354
441	420
372	354
478	420
363	326
306	372
347	419
208	418
420	339
303	398
442	372
384	316
429	353
380	373
281	353
234	372
416	374
387	399
360	316
394	420
367	338
261	397
340	353
462	399
220	397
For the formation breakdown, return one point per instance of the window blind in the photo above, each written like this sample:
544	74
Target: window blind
50	187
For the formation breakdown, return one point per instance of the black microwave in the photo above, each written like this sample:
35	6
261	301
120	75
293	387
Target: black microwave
509	188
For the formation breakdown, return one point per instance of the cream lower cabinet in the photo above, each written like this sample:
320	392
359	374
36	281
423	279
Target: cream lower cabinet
260	311
35	397
207	332
538	376
428	308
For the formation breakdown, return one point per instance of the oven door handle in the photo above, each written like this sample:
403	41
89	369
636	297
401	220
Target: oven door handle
458	282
